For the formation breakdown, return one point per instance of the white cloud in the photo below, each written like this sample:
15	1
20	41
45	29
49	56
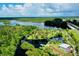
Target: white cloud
11	6
4	7
49	10
8	11
18	7
28	5
40	10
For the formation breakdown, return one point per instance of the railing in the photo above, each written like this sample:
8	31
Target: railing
72	26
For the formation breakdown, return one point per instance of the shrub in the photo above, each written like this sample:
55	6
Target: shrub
27	45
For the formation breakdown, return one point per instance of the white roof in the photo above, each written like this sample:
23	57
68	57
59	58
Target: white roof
63	45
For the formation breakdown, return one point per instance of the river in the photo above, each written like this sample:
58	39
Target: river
40	25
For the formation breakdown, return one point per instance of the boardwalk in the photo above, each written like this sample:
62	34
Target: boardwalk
72	26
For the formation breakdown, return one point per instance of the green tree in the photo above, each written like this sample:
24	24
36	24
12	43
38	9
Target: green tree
27	45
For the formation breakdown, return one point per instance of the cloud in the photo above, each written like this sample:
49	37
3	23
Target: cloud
8	12
40	10
61	10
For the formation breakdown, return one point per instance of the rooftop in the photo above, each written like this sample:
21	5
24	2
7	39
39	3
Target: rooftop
63	45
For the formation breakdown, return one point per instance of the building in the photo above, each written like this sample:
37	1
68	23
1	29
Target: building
66	47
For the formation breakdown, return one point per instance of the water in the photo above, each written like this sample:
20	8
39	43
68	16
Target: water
58	39
1	23
40	25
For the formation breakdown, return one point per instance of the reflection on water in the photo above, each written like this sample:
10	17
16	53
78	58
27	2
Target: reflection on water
15	22
40	25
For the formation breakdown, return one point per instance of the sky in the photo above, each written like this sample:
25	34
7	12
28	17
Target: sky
39	9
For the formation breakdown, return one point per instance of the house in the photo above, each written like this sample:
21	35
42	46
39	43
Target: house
66	47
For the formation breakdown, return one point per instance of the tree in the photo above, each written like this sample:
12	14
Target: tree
33	52
36	52
27	45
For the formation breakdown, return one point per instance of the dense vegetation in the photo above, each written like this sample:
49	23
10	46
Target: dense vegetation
46	49
69	37
41	34
72	37
10	36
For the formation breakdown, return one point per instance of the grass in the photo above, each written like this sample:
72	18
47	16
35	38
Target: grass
5	21
36	19
43	19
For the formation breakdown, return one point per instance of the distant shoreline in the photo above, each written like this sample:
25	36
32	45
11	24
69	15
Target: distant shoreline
45	17
35	19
